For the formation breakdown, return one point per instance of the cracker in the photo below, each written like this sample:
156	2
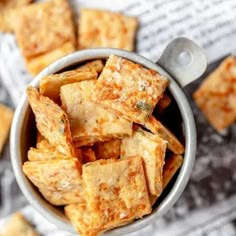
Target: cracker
90	123
156	127
5	124
108	149
106	29
35	154
129	89
18	225
43	27
97	65
51	121
172	165
88	154
37	63
152	149
50	85
81	218
58	180
116	191
216	97
163	103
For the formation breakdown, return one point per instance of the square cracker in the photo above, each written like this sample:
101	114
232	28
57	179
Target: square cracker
172	164
90	123
50	85
116	191
18	225
216	97
106	29
44	26
129	89
58	180
108	149
156	127
37	63
51	121
5	124
152	149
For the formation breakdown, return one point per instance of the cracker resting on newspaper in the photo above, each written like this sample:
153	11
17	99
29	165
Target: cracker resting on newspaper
216	96
5	124
91	123
58	180
152	149
129	89
116	191
106	29
51	121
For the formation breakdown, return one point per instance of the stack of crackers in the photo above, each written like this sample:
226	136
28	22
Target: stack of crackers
216	96
99	151
45	31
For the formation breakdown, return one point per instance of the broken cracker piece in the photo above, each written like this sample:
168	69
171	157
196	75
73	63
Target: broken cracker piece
116	191
58	180
43	27
18	225
90	123
108	149
97	65
152	149
5	124
216	96
156	127
128	89
100	29
51	121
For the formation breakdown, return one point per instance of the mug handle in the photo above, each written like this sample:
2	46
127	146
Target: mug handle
184	60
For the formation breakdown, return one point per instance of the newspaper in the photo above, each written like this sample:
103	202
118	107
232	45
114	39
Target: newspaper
208	204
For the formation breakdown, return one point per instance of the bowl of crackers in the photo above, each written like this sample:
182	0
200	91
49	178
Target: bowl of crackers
104	140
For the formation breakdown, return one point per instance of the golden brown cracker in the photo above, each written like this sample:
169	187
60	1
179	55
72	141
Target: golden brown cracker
51	121
106	29
116	191
152	149
129	89
156	127
58	180
216	96
50	85
163	103
90	123
17	224
108	149
5	124
97	65
43	27
37	63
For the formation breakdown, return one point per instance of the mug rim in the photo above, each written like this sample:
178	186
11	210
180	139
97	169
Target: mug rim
188	123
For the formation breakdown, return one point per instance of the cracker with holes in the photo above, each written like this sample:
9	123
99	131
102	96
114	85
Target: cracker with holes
50	85
116	191
17	224
37	63
156	127
51	121
129	89
90	122
152	149
108	149
58	180
5	124
216	96
100	29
